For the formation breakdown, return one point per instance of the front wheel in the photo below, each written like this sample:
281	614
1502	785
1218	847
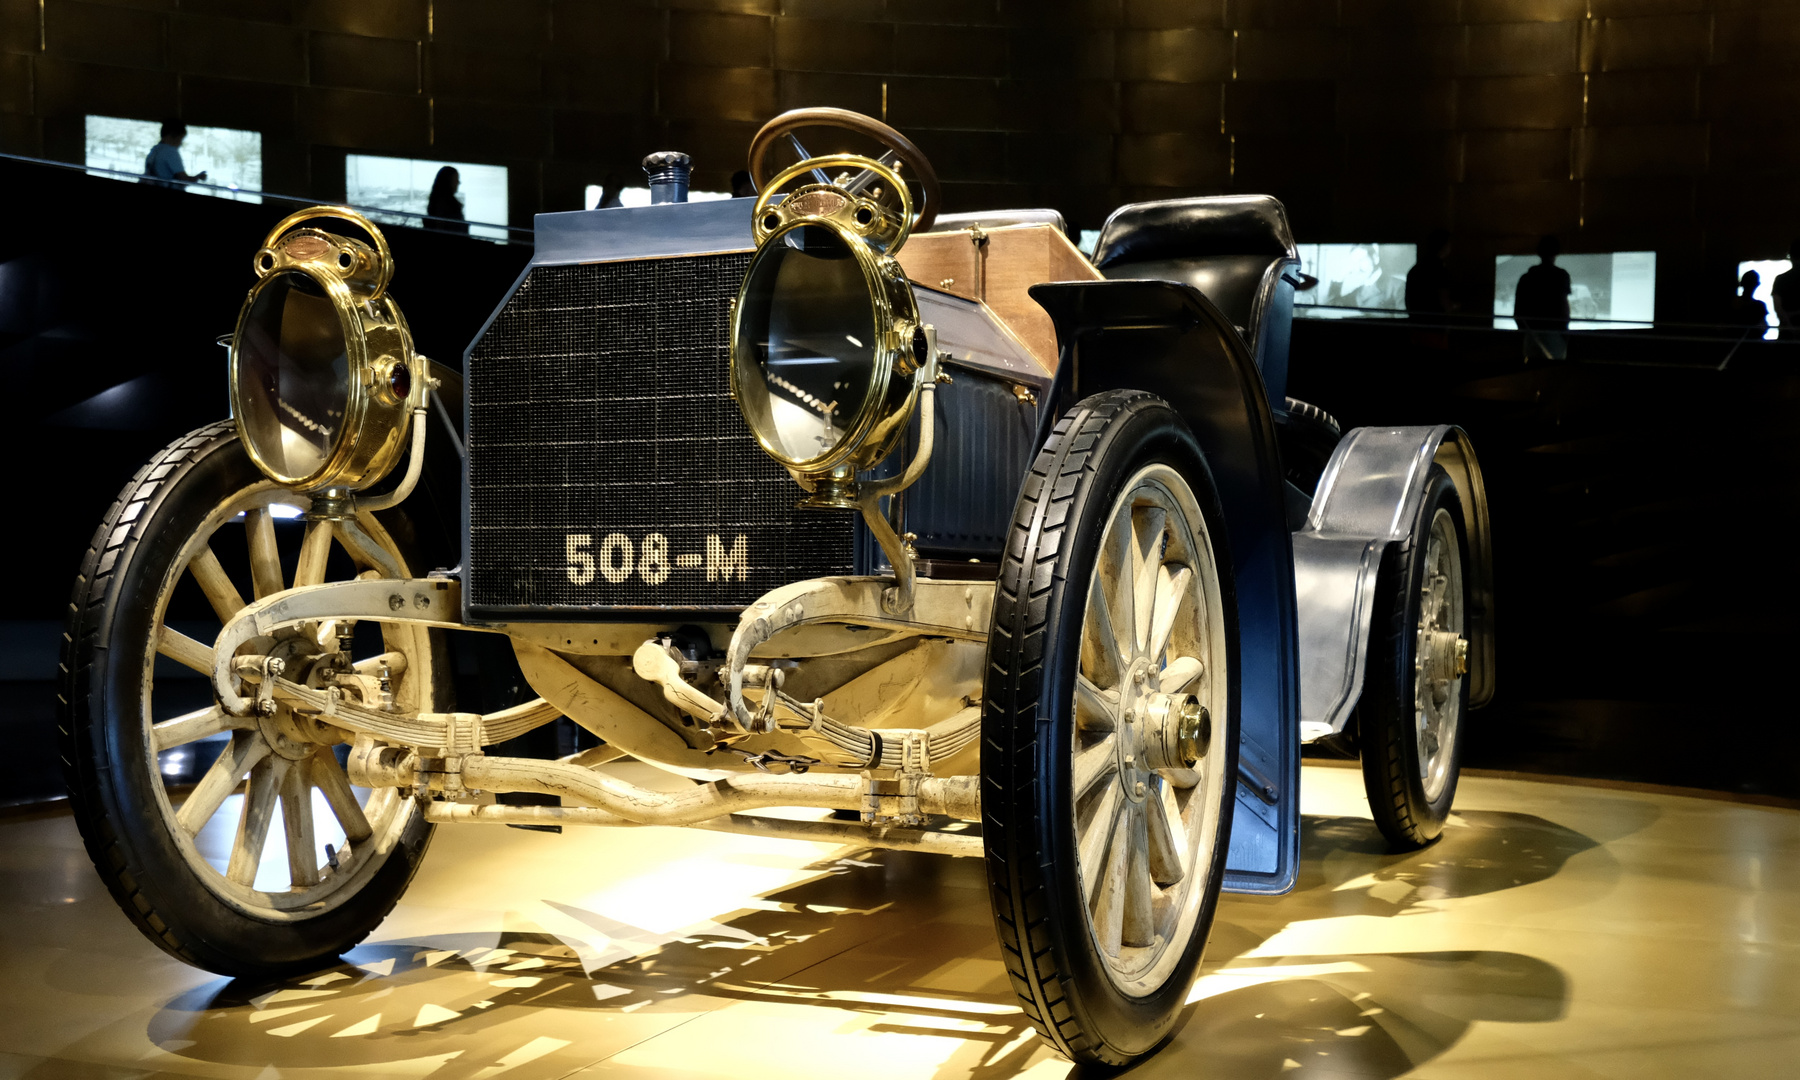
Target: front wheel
1415	695
1110	728
236	844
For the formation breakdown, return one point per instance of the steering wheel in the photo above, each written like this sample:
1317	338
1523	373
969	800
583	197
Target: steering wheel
900	149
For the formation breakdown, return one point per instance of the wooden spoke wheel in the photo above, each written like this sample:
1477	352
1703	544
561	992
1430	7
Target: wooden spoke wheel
1111	728
236	843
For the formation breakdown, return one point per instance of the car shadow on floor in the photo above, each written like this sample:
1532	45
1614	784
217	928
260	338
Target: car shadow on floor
895	942
1363	1015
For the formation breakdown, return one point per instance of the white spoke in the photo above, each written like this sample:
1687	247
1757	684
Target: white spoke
1146	560
216	584
265	556
1139	927
1171	590
1102	653
244	751
1109	909
1092	843
184	650
253	823
1095	709
1167	836
1181	674
1119	558
1154	599
192	727
315	551
297	824
330	778
1093	765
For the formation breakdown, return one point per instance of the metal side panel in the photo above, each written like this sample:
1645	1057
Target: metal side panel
1367	499
1334	590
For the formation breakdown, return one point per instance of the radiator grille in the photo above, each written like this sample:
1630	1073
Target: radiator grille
608	465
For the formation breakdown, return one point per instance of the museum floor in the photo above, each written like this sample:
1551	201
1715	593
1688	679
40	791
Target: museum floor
1556	930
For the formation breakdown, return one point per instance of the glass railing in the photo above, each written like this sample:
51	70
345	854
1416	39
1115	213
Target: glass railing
1586	326
1658	343
490	231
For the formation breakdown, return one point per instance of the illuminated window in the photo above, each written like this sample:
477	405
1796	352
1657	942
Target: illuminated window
640	196
402	186
230	158
1354	280
1768	270
1608	291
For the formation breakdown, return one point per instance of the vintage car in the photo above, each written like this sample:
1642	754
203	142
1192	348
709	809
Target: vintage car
925	524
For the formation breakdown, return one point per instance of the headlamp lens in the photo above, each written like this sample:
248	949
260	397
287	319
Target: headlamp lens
293	375
807	335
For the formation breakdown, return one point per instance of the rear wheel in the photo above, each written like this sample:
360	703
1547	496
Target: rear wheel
1306	436
236	844
1111	729
1415	695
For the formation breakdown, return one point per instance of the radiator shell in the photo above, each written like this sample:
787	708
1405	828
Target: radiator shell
597	407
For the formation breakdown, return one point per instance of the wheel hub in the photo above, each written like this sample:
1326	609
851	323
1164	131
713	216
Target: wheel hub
289	735
1441	654
1157	730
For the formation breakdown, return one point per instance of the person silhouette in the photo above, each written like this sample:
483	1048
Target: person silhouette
1747	312
609	192
1785	294
1541	304
1429	288
163	165
443	203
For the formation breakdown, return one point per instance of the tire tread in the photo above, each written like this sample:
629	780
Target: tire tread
1016	653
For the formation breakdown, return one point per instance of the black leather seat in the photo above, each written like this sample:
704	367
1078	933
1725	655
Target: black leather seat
1236	249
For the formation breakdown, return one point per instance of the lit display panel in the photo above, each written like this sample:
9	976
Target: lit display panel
402	186
1608	291
230	158
1354	280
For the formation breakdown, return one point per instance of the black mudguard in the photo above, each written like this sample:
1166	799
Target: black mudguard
1169	340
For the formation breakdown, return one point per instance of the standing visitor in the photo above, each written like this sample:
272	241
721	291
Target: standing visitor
1541	305
163	164
444	203
1749	314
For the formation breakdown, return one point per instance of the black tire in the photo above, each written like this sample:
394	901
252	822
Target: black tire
1306	436
1410	808
116	789
1078	482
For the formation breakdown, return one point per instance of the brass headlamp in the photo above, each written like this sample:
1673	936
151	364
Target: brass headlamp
324	381
827	352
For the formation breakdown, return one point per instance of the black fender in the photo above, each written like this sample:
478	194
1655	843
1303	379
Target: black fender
1168	339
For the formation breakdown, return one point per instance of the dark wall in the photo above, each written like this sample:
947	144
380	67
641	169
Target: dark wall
111	298
1620	124
1643	496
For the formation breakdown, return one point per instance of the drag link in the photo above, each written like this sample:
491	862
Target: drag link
374	766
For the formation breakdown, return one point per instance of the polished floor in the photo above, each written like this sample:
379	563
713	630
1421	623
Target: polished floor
1555	931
